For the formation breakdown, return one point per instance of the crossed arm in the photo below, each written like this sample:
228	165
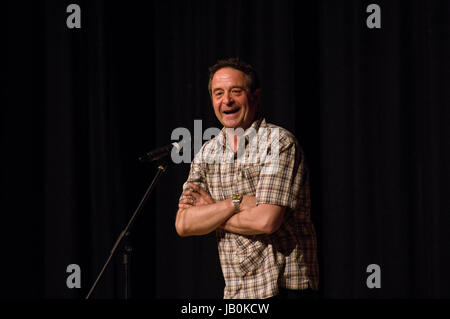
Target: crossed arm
203	215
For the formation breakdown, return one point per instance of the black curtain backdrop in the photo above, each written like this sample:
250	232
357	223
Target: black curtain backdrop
79	106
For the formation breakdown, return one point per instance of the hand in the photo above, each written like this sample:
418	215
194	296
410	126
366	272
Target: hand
247	202
198	196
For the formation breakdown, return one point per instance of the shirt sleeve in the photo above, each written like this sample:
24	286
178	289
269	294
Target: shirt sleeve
281	179
197	176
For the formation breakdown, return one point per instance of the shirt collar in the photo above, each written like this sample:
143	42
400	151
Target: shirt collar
260	121
257	123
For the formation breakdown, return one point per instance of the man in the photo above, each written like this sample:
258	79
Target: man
257	199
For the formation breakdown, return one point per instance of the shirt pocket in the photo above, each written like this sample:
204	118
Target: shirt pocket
213	180
250	254
250	179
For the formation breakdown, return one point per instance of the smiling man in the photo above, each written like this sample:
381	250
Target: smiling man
266	241
235	103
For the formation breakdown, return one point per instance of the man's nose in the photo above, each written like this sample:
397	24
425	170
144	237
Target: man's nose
228	99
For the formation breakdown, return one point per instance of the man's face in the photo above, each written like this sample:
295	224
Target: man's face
233	103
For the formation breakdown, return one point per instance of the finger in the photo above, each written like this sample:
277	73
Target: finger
189	200
184	206
203	192
192	185
199	189
192	193
206	196
207	199
195	187
186	194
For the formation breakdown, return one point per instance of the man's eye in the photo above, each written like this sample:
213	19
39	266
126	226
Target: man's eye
236	91
218	93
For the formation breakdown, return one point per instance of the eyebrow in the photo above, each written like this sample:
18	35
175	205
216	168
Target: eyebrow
233	87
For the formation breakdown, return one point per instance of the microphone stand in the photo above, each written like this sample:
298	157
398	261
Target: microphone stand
125	232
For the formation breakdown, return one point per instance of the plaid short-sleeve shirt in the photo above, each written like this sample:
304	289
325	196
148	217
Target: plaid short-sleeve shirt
256	266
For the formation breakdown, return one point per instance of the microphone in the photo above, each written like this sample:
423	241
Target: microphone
163	151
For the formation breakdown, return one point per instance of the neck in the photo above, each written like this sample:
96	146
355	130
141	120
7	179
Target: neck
233	136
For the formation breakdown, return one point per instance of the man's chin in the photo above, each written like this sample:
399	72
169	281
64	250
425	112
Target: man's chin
231	124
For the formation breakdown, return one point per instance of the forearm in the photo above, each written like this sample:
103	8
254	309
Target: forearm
262	219
201	220
244	223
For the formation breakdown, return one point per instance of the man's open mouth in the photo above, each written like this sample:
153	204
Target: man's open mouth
231	111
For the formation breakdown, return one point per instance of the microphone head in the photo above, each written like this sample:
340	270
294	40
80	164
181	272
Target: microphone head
164	151
185	142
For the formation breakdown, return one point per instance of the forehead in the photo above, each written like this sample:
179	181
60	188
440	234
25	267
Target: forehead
228	77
